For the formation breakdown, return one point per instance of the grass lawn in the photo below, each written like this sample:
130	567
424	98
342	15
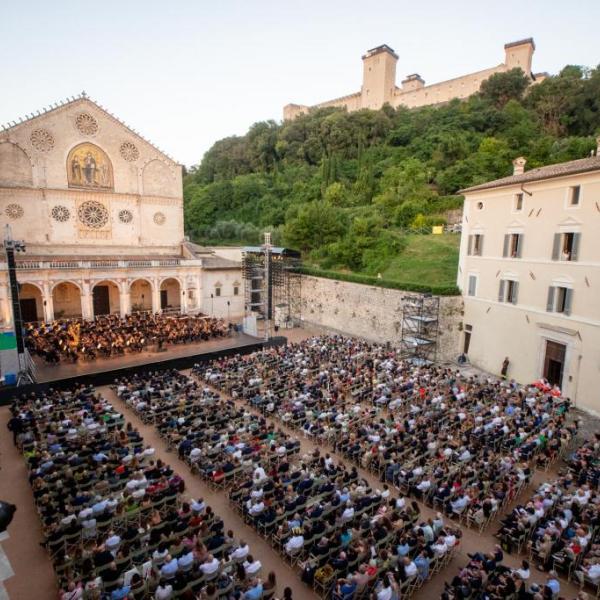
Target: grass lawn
427	259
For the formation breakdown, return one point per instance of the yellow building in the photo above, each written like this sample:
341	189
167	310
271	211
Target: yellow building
101	212
379	82
529	271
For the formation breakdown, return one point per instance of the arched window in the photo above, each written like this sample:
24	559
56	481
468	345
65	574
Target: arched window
89	167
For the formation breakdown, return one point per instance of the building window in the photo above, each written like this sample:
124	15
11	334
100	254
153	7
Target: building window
236	290
559	299
513	243
472	290
508	291
217	291
475	247
518	202
574	195
566	246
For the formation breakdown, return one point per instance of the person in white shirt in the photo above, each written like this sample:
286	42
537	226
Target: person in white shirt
251	566
348	513
259	473
240	552
410	569
295	542
523	571
210	566
256	509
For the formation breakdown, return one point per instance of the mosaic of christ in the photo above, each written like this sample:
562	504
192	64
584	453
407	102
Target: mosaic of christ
89	167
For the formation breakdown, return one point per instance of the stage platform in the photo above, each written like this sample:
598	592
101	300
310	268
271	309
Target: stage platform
104	371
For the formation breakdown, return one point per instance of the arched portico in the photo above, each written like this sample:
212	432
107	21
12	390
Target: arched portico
31	299
171	295
66	300
140	292
106	298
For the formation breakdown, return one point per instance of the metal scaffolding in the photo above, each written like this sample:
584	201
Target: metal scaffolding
420	317
272	284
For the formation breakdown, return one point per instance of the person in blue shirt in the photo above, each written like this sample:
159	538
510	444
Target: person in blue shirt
120	593
422	562
255	591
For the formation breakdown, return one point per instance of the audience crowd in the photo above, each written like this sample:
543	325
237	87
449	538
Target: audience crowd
115	519
118	525
111	335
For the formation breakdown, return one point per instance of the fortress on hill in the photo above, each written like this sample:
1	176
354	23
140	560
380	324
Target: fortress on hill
379	82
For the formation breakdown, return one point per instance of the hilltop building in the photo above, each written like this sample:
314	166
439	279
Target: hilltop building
379	82
101	212
529	270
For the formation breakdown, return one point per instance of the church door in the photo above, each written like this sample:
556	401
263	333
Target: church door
164	301
101	300
554	362
28	310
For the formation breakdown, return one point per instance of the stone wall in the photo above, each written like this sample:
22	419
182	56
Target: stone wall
372	312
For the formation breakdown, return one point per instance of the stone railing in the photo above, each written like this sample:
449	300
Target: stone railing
36	265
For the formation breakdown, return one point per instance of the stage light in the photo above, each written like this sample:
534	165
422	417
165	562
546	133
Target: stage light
7	512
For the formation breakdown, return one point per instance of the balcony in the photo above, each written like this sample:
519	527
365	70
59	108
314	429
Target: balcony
35	265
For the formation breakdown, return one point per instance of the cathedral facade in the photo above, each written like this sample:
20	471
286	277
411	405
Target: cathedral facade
101	212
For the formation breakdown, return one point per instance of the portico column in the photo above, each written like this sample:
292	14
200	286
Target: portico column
124	298
87	303
183	307
48	303
156	295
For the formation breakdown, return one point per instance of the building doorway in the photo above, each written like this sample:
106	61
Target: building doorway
101	300
164	299
468	331
554	362
32	303
28	310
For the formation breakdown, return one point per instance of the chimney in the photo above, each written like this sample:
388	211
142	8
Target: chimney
519	165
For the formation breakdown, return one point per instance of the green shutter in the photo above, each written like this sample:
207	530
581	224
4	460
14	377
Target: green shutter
575	247
550	299
556	247
568	301
506	242
515	294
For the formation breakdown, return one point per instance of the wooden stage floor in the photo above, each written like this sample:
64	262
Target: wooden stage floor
64	370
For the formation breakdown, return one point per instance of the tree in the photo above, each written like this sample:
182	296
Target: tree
315	224
502	87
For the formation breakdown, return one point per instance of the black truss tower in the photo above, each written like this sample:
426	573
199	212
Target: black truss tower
272	283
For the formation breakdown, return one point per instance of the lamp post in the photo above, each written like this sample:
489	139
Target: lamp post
228	305
212	298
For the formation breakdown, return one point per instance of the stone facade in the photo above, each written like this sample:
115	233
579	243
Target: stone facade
379	82
529	269
372	313
101	212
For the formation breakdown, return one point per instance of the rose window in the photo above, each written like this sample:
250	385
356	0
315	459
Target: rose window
42	140
61	214
86	124
129	151
125	216
14	211
159	218
93	214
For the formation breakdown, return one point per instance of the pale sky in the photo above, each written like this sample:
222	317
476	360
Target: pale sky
187	73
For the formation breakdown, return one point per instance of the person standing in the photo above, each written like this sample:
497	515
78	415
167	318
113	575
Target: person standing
504	369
